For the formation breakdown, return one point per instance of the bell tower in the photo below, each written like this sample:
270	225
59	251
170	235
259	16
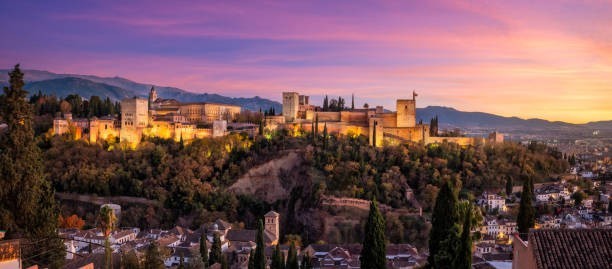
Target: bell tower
272	224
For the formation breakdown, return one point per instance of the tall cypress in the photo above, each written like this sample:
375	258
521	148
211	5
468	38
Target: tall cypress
215	250
251	260
277	260
373	254
464	255
27	204
352	101
260	256
306	262
509	185
292	260
204	250
153	258
526	216
444	217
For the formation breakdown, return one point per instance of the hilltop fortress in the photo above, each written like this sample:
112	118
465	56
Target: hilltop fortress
152	117
378	125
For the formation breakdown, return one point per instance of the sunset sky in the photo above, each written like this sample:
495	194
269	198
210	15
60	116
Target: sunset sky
544	59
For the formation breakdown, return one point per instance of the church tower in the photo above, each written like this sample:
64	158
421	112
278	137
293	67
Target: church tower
272	225
152	96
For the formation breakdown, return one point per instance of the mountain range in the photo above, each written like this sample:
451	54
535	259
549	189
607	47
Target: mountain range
118	88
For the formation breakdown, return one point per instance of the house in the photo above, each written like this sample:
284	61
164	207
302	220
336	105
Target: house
563	248
493	201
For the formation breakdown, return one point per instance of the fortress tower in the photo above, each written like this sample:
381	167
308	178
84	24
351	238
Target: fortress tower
272	225
291	105
134	118
406	112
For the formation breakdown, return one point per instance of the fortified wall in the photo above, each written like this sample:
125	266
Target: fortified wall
379	126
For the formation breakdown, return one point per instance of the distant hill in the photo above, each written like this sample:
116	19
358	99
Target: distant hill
62	87
118	88
452	118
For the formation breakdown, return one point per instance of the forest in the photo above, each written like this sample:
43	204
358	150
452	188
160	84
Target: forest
190	181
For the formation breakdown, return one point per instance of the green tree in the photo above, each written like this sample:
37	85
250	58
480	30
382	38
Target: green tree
259	261
464	255
306	262
292	260
277	259
325	103
526	216
251	259
509	185
352	101
153	258
181	262
444	217
130	261
215	250
373	254
578	197
204	250
107	223
27	204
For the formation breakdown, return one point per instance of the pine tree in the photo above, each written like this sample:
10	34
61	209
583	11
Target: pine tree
526	216
444	217
464	255
215	250
373	254
27	203
204	250
259	261
292	260
153	259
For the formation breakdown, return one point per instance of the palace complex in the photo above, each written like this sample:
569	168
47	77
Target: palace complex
378	125
152	117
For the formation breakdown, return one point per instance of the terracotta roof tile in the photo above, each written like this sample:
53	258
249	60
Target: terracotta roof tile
572	248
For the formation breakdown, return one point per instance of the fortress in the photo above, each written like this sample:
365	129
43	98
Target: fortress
152	117
378	125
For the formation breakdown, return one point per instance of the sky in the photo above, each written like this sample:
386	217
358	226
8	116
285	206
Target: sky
531	59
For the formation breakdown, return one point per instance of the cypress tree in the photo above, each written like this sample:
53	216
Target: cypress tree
277	262
526	216
444	217
325	136
27	203
215	250
261	126
292	260
464	255
373	254
251	260
259	261
509	185
325	103
204	250
153	258
352	101
306	263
